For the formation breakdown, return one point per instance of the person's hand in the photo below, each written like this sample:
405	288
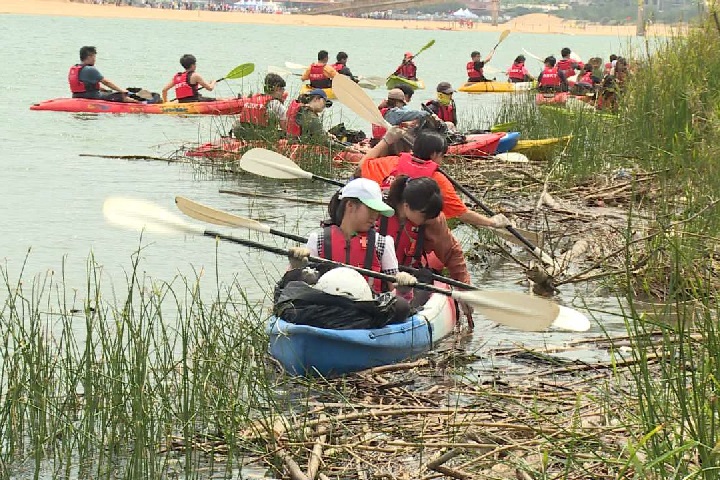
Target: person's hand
500	221
404	279
393	135
298	256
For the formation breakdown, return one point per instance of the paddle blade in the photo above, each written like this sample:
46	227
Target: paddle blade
511	157
503	127
541	60
571	319
513	309
427	45
267	163
279	71
503	36
139	215
295	66
201	212
353	96
240	71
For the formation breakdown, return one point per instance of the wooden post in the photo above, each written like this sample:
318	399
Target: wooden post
495	10
640	20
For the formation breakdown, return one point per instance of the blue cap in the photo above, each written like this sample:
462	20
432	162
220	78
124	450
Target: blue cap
319	92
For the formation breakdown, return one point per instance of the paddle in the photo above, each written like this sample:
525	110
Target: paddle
512	309
541	60
281	71
207	214
295	66
267	163
351	95
503	36
425	47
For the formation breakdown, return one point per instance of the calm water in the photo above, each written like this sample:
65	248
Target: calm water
52	196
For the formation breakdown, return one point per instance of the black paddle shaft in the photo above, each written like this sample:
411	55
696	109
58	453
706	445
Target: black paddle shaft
283	252
487	210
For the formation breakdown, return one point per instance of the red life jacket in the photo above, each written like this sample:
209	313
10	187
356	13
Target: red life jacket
359	251
410	166
550	77
407	70
409	239
565	65
587	78
446	113
293	127
254	109
76	86
183	89
317	76
338	66
379	131
517	71
474	75
608	68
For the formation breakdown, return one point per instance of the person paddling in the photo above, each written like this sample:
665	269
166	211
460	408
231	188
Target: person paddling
407	68
350	237
475	67
444	105
341	66
187	84
517	72
320	74
85	80
428	151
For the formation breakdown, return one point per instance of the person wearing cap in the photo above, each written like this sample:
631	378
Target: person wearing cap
85	80
427	154
341	66
378	131
303	117
320	73
188	83
475	67
407	68
349	236
397	110
444	105
517	72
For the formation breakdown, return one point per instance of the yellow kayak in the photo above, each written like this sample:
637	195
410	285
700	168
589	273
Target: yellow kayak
495	87
541	149
328	91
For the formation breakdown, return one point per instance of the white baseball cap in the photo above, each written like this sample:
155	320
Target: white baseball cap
368	192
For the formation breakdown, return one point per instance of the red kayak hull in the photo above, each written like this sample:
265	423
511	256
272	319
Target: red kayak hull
551	99
228	106
233	148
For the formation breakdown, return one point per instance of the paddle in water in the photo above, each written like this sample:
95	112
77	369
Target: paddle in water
513	309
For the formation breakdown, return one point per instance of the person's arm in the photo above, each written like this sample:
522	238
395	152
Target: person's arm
329	71
563	77
111	85
306	75
478	65
433	107
489	57
279	111
440	240
388	261
166	89
396	116
201	81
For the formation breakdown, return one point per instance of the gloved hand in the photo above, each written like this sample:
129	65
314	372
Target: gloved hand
298	256
500	221
404	279
393	134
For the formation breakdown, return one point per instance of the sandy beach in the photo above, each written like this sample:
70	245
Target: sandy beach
533	23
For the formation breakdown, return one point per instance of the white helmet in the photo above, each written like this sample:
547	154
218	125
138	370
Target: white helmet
345	282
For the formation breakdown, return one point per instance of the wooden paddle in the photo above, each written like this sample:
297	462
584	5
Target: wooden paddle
513	309
207	214
503	36
267	163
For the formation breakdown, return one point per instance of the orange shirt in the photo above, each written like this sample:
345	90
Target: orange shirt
377	169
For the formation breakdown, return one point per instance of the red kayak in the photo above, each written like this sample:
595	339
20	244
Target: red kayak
233	148
227	106
551	98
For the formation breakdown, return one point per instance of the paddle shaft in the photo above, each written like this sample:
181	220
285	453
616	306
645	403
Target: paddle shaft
487	210
362	271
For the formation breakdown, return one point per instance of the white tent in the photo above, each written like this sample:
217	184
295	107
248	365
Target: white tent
464	13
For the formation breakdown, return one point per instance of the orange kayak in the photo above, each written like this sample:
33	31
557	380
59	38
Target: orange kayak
227	106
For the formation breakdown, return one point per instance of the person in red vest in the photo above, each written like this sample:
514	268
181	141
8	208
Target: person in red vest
85	80
188	83
350	237
407	68
475	67
341	66
586	82
608	67
518	72
551	79
566	64
320	74
263	111
444	105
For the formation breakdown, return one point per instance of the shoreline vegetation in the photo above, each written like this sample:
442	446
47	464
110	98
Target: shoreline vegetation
532	23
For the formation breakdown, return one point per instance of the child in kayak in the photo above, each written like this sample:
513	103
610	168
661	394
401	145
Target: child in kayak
188	83
517	72
407	68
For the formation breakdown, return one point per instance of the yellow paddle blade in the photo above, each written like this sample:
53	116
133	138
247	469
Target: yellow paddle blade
139	215
203	213
267	163
240	71
503	36
513	309
353	96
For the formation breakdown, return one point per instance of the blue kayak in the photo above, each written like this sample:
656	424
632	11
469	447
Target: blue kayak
306	350
508	142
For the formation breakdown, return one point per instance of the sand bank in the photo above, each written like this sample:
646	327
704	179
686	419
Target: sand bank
533	23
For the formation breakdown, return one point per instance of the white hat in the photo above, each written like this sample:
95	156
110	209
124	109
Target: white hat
368	192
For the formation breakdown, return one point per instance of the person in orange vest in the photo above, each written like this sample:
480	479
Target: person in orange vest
188	83
444	106
341	66
320	74
85	80
475	67
407	68
518	72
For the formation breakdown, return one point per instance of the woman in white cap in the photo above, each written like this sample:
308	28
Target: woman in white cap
349	237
